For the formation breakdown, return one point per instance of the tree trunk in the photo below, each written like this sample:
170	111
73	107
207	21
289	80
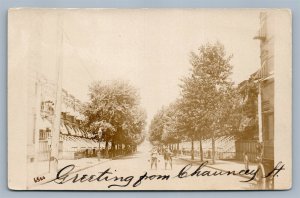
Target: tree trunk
113	149
192	150
213	148
177	152
201	149
106	149
99	151
116	149
126	149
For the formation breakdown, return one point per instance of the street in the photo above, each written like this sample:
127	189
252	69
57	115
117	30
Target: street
134	173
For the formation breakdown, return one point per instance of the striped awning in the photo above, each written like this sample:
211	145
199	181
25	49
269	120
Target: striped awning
63	129
73	142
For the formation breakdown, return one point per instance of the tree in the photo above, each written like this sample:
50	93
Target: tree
172	133
187	121
206	92
156	127
208	99
133	127
164	129
114	108
247	109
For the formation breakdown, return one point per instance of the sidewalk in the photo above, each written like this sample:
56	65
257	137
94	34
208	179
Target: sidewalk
41	169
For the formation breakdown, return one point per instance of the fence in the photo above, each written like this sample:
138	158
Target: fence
246	146
225	148
44	150
207	154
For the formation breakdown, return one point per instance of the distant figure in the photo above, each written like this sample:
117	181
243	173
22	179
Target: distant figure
246	161
209	154
168	158
260	151
154	156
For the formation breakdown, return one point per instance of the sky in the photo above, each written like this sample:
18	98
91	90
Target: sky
149	48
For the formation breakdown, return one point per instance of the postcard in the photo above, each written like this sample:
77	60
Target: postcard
149	99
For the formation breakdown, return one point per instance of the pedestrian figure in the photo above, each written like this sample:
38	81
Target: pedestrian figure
154	156
168	158
260	151
246	161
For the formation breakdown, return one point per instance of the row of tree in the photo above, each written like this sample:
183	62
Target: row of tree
113	114
209	104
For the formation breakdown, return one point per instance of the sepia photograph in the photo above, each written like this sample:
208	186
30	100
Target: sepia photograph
149	99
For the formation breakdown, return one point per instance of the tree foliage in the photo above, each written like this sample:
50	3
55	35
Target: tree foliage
114	108
164	127
207	98
247	110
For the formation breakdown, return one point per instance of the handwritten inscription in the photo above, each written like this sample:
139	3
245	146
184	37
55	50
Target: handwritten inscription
38	179
66	174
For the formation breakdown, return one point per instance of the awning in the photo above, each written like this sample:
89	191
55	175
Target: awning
63	129
83	133
71	130
73	143
78	132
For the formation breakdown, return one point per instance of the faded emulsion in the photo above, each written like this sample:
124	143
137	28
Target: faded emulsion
149	99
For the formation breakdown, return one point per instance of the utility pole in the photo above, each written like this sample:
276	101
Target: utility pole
260	136
57	110
37	118
213	150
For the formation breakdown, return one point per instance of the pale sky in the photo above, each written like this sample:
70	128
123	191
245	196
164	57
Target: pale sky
150	48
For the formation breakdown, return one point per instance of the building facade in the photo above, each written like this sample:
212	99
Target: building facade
265	78
74	141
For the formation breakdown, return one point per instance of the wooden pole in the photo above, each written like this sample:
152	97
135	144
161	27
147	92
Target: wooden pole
260	134
57	110
37	119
